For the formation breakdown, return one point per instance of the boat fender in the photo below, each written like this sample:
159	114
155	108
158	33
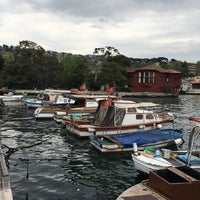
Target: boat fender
135	148
141	126
179	141
159	126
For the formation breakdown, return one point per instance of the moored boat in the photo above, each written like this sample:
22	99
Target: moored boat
11	97
47	100
82	104
82	118
146	162
111	118
172	183
32	102
125	143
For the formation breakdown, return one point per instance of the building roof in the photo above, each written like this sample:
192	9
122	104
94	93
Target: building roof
154	67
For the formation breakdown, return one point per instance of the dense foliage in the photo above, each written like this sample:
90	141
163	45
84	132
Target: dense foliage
29	66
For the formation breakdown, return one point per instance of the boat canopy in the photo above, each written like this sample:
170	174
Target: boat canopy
95	97
137	105
110	116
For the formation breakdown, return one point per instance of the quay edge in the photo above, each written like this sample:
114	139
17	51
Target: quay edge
5	189
122	94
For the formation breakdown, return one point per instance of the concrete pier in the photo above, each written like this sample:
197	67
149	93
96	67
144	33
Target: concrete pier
122	94
5	190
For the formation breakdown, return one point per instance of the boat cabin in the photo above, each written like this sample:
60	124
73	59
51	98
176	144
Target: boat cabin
125	114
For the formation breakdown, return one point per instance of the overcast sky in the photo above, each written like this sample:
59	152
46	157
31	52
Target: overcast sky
137	28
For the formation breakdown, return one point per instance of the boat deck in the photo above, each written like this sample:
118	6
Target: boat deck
140	192
173	183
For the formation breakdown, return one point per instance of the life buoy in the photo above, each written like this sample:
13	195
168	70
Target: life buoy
41	96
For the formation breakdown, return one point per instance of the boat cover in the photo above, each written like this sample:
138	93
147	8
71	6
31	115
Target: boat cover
194	160
146	137
110	116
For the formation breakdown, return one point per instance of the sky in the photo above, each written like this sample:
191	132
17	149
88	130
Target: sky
137	28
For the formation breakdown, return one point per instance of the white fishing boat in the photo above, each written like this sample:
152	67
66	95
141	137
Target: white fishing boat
10	97
47	99
85	117
146	162
119	118
81	104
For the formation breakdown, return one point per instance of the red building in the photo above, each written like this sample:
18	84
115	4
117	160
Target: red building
153	78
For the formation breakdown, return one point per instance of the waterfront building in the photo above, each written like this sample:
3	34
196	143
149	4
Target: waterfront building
153	78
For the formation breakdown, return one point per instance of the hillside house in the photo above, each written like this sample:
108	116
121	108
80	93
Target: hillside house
153	78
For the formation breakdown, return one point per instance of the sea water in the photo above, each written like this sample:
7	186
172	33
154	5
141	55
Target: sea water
46	163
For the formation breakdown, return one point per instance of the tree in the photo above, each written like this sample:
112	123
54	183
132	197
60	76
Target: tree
106	51
75	69
121	60
29	66
26	44
112	72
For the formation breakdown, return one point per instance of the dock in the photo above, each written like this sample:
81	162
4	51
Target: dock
5	189
122	94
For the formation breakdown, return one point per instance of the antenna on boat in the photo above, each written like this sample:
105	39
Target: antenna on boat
193	136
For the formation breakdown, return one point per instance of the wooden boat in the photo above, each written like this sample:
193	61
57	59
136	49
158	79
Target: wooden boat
172	183
82	118
146	162
125	143
83	104
116	118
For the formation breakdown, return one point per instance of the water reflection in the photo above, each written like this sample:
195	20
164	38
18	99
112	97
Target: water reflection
47	163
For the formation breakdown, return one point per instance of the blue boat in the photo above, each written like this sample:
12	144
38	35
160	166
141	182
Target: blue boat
32	103
156	138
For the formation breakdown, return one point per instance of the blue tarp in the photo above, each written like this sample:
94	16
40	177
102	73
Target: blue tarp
145	137
194	160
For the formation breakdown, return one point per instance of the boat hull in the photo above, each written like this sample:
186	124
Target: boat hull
11	98
87	130
44	113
